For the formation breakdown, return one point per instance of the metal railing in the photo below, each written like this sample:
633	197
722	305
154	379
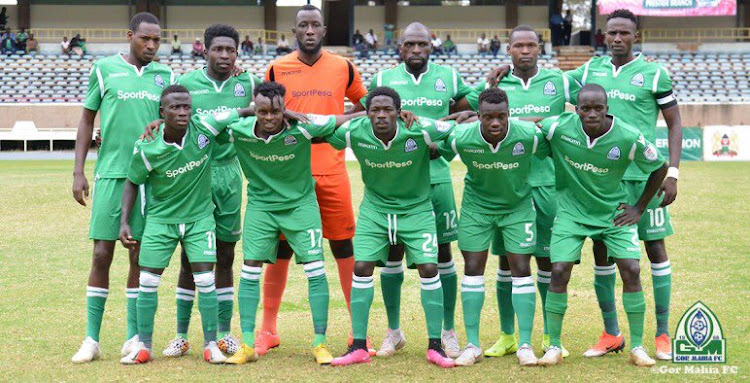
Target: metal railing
695	35
103	35
465	36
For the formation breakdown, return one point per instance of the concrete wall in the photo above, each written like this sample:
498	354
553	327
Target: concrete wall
190	17
533	15
285	19
688	22
78	16
12	13
366	18
438	17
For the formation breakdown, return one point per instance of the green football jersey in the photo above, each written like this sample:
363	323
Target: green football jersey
210	96
588	172
544	95
278	168
179	176
636	92
127	100
496	180
429	96
396	175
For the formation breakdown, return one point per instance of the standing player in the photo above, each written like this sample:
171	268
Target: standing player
592	151
498	154
390	154
637	90
275	157
536	93
213	89
426	89
176	165
126	89
316	81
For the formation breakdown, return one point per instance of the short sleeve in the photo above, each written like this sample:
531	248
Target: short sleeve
662	89
435	130
473	96
139	166
225	136
547	127
215	123
356	90
572	87
95	93
447	147
373	84
319	126
460	87
268	73
541	145
339	138
579	73
645	155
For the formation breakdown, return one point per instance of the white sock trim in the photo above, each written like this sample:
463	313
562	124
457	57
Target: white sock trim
503	275
362	282
605	270
225	294
520	281
543	273
149	283
447	267
472	284
523	290
205	282
398	269
431	283
251	273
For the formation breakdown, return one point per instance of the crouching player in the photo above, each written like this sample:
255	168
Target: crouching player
591	152
396	209
176	168
497	199
274	155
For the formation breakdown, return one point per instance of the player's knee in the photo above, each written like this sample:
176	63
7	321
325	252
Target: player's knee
364	269
473	266
630	272
342	249
149	281
560	274
427	270
444	253
656	251
101	260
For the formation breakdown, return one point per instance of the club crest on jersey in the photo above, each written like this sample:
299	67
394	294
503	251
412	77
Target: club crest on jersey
518	149
203	141
239	90
290	140
637	80
650	153
549	89
614	154
410	145
440	85
158	81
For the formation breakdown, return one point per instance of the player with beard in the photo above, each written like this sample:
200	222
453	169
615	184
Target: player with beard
316	81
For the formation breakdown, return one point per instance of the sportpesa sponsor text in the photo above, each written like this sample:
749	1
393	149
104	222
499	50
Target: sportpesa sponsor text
141	95
187	167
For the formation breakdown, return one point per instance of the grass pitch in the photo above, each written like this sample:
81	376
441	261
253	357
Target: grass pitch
45	256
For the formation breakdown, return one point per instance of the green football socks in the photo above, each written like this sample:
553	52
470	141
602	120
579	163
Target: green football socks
432	302
96	298
391	279
362	294
472	300
225	296
557	303
543	279
604	285
318	294
248	299
524	304
184	301
131	318
635	308
449	281
505	301
661	275
208	304
146	304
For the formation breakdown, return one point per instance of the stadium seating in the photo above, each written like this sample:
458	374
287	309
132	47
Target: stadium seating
698	78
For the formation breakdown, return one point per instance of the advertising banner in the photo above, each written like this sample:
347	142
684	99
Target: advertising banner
671	8
692	143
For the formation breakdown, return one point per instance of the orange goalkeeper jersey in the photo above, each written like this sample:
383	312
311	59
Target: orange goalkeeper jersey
319	88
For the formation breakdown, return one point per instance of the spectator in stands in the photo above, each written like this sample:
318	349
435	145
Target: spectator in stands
32	45
8	43
78	45
282	47
358	42
3	18
599	40
495	45
65	46
21	38
372	41
176	45
260	48
388	35
556	26
247	46
542	44
483	45
449	46
567	27
437	45
197	48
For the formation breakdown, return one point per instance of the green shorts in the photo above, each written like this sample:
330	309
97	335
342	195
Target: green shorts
545	202
160	240
514	232
226	192
444	206
568	237
300	225
655	222
376	231
106	206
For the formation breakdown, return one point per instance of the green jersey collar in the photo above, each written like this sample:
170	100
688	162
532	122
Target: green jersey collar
271	137
137	71
217	87
418	79
616	71
495	148
589	142
388	146
525	85
176	145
